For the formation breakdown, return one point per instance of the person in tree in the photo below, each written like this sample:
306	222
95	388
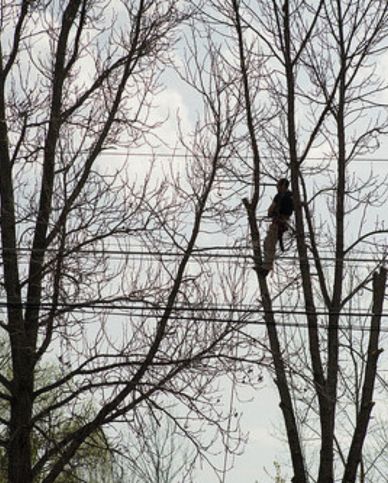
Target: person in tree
280	211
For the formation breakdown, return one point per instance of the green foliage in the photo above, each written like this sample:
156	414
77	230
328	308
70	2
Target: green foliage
93	461
278	476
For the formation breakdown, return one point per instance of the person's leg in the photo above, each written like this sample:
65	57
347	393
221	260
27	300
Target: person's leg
270	246
282	228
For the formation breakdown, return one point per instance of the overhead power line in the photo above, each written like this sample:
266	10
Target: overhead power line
189	155
358	328
184	318
201	254
180	308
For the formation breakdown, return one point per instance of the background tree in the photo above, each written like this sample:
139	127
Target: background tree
157	455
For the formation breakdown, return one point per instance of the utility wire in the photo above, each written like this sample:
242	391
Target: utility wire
197	254
157	307
186	156
182	318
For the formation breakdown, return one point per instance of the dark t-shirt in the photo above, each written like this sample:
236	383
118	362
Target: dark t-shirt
284	204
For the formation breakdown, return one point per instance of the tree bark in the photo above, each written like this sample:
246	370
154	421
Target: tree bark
363	416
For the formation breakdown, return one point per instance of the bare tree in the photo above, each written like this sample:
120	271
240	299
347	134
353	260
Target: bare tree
307	78
76	78
161	456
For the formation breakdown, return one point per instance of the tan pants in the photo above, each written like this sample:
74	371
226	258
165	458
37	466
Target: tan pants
270	242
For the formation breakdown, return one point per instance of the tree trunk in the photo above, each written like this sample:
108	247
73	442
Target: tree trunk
19	449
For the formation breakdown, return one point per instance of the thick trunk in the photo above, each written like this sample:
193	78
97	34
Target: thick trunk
364	414
315	350
286	406
326	470
19	447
